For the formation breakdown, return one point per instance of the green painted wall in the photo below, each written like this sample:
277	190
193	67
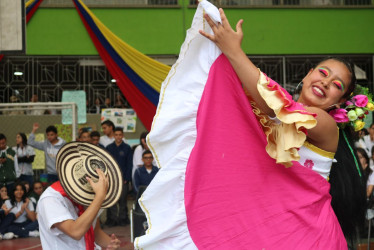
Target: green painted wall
58	31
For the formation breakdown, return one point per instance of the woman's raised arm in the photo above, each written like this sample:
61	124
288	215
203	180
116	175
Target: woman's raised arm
229	42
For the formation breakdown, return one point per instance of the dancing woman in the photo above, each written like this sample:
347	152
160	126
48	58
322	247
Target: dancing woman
257	174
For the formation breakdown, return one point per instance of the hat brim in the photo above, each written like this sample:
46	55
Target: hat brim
72	173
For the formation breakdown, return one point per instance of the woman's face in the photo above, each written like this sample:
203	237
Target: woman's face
18	193
325	85
362	159
38	188
18	139
3	193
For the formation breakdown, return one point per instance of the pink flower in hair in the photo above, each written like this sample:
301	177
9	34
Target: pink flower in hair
348	103
360	100
339	115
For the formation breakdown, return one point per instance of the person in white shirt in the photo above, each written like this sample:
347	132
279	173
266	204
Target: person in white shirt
20	215
25	156
108	129
64	224
138	152
368	140
368	172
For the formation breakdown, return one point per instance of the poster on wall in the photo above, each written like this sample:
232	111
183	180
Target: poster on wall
79	97
125	118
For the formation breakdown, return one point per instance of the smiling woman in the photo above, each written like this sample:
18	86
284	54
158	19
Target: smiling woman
327	85
20	215
256	168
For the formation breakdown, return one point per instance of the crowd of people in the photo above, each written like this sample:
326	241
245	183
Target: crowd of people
92	107
18	217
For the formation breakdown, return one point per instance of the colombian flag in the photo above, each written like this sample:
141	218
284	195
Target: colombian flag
138	76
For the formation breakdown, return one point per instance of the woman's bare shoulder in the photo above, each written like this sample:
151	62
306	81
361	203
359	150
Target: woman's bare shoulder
325	134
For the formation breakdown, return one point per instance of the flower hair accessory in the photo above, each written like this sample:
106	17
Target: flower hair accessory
354	111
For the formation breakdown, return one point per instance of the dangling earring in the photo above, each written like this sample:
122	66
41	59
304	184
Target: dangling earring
297	90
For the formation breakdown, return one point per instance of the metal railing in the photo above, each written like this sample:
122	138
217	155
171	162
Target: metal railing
8	108
47	77
109	3
220	3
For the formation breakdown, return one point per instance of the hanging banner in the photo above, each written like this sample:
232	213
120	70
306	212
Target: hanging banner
138	76
79	97
125	118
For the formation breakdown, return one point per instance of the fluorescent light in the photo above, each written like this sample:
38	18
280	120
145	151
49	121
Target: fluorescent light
18	73
113	80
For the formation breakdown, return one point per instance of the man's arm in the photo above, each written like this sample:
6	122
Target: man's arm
76	229
31	141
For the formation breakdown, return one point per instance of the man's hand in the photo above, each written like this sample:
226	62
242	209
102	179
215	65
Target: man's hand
101	186
35	127
114	243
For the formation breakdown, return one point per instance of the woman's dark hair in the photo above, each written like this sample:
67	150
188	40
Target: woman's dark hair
36	182
32	193
348	186
24	139
365	131
12	196
143	136
367	170
350	67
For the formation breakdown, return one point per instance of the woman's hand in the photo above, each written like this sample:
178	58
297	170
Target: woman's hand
6	209
227	40
25	204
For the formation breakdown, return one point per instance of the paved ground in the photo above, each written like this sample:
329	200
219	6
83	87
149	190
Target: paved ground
123	233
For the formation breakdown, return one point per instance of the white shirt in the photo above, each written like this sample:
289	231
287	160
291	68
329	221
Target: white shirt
370	179
105	140
24	167
368	144
316	159
54	208
15	209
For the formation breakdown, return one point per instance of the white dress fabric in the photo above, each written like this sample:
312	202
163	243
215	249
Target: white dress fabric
316	159
54	208
176	114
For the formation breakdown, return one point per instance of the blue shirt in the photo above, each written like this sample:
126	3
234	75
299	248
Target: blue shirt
123	156
143	178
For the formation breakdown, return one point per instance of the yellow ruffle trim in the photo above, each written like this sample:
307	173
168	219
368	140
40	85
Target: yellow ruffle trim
285	137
